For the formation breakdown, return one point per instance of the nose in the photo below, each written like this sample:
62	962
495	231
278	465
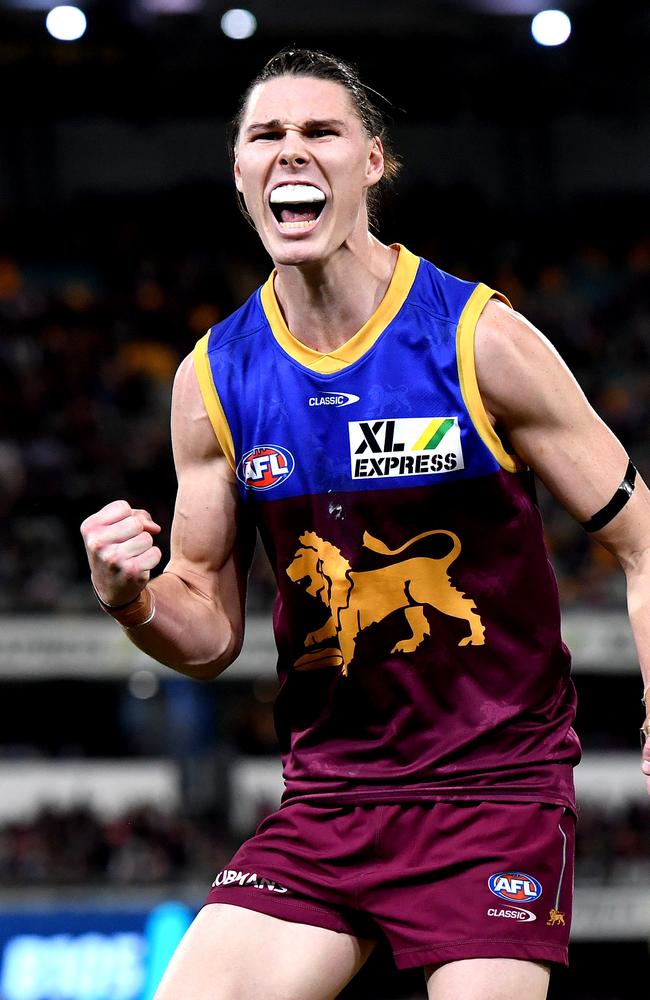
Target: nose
292	159
293	152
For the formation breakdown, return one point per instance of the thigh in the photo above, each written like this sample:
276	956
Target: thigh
488	979
232	953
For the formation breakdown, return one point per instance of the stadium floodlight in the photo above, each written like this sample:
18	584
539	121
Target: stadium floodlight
238	23
66	24
551	27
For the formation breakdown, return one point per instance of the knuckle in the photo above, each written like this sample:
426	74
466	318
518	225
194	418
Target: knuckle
119	507
92	545
88	524
111	557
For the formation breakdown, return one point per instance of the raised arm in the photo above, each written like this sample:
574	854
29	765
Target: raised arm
192	616
529	392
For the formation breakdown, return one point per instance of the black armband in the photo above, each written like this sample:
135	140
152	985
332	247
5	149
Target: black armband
616	504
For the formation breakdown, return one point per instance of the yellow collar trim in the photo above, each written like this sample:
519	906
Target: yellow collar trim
353	349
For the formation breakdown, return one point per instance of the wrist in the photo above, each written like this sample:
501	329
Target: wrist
140	610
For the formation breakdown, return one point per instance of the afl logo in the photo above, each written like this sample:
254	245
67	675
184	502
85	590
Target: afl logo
266	466
515	886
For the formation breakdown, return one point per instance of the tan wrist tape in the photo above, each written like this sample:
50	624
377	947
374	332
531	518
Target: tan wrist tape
139	611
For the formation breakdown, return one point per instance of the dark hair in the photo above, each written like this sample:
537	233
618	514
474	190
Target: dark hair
322	66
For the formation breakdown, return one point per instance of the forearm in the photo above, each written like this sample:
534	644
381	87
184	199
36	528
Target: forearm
184	627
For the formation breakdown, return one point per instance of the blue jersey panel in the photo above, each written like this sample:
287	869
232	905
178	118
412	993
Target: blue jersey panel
394	418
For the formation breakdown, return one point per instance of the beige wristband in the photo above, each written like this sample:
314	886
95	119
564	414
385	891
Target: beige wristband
139	611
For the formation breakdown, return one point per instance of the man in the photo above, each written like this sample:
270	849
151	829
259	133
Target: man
425	705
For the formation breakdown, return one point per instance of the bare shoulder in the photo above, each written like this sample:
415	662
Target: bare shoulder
518	369
529	391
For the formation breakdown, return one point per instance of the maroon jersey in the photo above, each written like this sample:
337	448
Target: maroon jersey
417	619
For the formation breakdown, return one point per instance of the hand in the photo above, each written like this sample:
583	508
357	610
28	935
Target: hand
120	549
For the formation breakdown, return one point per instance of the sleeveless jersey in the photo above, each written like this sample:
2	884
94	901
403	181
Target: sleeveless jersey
417	619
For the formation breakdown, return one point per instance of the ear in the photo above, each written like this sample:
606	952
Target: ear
375	164
237	173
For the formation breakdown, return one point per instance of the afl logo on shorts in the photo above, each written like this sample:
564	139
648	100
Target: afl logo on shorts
266	466
515	887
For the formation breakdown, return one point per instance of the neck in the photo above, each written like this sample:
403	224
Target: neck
326	303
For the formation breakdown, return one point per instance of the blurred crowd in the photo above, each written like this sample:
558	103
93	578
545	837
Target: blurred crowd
98	305
149	847
75	847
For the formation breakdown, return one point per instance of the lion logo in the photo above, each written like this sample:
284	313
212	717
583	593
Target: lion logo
555	918
356	600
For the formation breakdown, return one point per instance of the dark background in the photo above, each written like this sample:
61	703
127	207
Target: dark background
120	243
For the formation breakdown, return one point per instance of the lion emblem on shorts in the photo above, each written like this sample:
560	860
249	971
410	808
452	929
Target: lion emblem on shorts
356	600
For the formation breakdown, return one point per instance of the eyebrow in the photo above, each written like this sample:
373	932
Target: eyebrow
311	123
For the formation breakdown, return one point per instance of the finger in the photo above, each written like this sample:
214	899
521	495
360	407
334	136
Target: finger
121	531
145	562
120	554
114	511
148	522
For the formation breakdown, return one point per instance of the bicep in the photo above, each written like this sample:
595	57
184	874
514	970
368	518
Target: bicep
534	398
209	543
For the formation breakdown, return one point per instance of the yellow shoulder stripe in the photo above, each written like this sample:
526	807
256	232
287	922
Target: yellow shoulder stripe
467	375
212	401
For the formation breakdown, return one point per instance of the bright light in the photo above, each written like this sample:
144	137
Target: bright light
551	27
66	23
238	23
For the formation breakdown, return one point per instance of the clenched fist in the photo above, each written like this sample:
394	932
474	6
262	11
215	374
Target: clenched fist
121	552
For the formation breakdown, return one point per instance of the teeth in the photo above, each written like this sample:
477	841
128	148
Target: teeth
295	225
296	194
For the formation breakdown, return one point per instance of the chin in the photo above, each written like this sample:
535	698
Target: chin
296	252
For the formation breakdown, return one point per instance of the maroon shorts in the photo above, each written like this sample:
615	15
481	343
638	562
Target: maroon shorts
440	880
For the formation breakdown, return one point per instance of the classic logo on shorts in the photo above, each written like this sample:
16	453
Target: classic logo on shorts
408	446
516	887
513	913
265	466
230	876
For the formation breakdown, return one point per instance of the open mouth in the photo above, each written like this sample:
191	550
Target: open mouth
296	206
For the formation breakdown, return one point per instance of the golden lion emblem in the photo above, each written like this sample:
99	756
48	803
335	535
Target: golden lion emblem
555	918
356	600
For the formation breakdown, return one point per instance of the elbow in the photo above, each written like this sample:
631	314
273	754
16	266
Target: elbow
210	666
